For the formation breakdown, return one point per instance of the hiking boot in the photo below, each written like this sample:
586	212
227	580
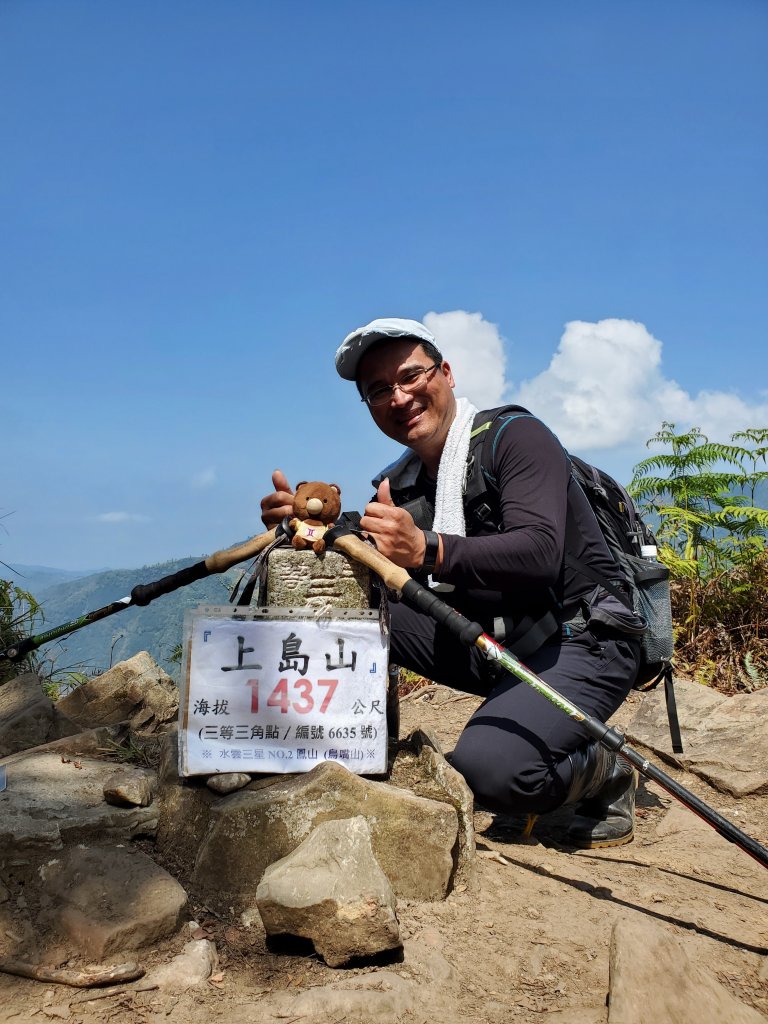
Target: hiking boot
603	787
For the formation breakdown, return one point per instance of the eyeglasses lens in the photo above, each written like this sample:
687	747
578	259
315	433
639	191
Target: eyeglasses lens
412	380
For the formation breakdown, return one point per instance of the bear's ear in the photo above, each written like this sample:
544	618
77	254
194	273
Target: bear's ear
300	484
336	488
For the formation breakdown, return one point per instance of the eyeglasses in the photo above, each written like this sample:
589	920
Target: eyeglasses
409	382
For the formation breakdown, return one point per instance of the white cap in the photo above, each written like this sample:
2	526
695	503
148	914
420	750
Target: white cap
356	344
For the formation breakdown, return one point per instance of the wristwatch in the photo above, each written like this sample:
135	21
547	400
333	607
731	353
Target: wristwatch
431	551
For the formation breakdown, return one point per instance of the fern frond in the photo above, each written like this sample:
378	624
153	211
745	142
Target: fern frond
679	567
757	515
757	435
755	674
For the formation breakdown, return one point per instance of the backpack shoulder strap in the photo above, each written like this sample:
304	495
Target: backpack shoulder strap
479	482
488	426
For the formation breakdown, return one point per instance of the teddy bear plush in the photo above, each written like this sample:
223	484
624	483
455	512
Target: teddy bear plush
315	508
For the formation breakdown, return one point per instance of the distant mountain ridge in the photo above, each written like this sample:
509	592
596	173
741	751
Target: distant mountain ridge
37	578
156	628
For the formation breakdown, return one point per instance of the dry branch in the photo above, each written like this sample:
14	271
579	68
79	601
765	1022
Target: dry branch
92	978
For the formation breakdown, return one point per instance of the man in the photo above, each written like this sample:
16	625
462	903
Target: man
518	752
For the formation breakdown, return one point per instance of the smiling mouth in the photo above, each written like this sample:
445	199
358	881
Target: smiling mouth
411	418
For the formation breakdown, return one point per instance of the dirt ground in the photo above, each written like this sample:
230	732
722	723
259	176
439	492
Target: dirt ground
529	937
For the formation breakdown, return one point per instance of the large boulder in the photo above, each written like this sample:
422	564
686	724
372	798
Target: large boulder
185	807
421	767
332	891
724	737
28	718
54	800
653	977
136	691
684	843
414	839
106	899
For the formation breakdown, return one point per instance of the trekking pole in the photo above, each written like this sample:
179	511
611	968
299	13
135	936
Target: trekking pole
471	634
143	593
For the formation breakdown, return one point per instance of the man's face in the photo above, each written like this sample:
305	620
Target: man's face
420	420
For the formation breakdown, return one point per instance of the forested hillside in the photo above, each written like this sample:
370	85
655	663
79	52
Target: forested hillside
156	628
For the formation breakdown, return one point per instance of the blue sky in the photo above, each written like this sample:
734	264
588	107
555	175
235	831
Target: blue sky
199	200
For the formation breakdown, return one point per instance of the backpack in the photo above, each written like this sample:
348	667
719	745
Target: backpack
627	536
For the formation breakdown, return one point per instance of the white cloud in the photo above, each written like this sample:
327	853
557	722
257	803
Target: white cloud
475	350
120	517
205	478
604	387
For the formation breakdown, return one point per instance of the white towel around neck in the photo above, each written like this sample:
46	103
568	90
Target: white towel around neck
449	496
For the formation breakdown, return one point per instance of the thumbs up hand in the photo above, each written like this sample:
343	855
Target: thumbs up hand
279	504
393	529
384	494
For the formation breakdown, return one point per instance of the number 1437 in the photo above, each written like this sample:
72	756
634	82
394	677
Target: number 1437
301	696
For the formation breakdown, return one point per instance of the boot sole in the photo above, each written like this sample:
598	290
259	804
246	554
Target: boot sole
600	844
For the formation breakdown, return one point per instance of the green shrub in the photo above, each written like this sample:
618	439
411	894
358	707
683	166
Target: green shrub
19	612
712	536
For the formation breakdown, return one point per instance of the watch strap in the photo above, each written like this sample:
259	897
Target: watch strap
431	551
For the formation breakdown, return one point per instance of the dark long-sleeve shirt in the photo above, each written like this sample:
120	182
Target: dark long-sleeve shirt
520	569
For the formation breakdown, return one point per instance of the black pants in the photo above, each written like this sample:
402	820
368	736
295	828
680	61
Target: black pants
514	750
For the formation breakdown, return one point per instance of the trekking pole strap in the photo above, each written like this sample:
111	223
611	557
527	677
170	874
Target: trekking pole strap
674	721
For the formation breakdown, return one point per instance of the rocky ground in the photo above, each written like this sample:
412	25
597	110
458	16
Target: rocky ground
671	928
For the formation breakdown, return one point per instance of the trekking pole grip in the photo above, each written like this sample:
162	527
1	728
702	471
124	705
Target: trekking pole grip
393	575
420	597
220	561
